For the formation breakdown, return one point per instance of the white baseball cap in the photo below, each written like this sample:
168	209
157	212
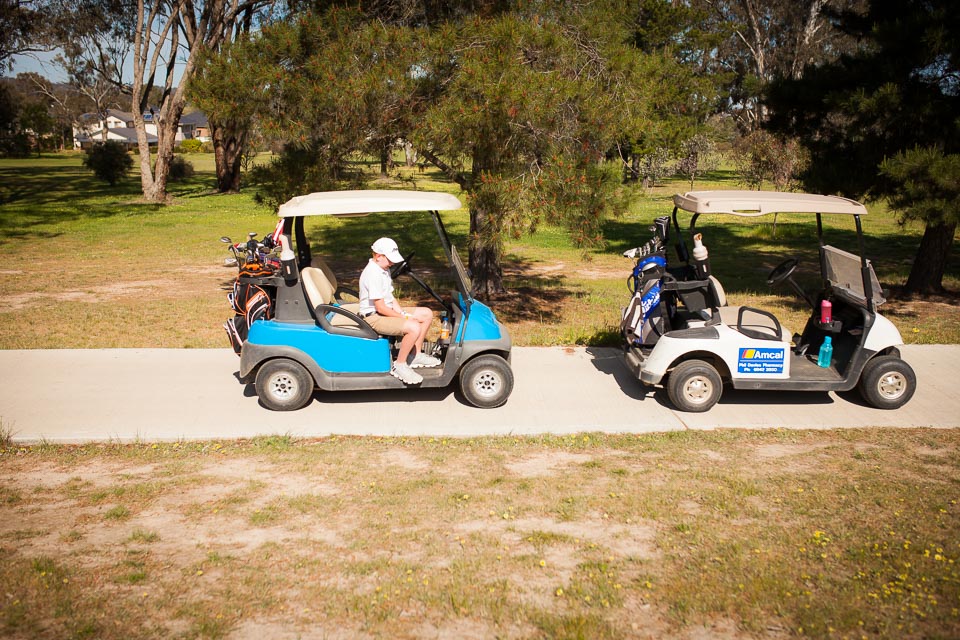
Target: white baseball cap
389	248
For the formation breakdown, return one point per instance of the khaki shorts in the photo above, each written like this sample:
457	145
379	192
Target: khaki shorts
387	326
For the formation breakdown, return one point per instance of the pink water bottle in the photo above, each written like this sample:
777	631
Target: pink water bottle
826	312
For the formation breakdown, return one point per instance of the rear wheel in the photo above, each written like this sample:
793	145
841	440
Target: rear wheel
694	386
887	382
284	385
486	381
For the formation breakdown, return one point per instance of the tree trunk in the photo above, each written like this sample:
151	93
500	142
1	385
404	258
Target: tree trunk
228	148
486	212
485	268
926	275
631	171
409	154
384	157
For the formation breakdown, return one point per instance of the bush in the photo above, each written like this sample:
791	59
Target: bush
762	156
300	170
109	161
180	169
191	146
207	147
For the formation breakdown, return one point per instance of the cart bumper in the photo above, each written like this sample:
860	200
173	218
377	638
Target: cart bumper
634	360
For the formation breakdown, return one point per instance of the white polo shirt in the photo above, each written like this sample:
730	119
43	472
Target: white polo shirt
375	284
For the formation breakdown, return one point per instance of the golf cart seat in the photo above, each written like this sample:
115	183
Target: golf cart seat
332	316
754	323
707	299
338	290
698	297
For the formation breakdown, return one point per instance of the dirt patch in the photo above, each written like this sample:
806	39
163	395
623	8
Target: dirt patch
546	464
778	451
404	460
590	271
930	452
93	294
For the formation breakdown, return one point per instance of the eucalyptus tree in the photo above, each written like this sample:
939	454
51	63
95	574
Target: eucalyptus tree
22	29
765	40
162	40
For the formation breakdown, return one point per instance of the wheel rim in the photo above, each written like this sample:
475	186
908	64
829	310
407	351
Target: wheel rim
282	386
487	383
892	385
698	390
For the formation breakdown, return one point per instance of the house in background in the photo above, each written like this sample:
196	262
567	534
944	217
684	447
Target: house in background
118	125
194	126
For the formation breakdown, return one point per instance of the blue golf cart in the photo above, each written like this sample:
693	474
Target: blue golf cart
317	339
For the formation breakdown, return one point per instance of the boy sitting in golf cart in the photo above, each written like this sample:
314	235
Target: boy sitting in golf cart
383	312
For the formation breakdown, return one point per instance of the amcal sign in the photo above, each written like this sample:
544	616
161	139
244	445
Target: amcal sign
767	360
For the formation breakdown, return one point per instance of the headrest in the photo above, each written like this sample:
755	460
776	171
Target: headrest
316	286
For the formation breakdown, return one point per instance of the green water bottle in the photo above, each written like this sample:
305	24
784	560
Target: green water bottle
826	353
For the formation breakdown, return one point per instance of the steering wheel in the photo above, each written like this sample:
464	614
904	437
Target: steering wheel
782	271
401	268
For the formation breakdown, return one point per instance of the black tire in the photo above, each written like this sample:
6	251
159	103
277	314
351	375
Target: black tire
486	381
284	385
694	386
887	382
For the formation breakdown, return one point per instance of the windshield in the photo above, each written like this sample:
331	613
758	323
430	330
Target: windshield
461	272
842	270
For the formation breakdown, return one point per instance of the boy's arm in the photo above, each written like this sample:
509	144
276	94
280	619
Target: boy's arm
387	310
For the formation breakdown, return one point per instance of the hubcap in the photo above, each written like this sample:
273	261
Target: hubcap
283	385
697	389
487	383
892	385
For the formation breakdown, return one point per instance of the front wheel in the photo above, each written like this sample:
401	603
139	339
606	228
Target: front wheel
284	385
486	381
887	382
694	386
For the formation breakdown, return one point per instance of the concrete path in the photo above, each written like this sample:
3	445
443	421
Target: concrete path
170	394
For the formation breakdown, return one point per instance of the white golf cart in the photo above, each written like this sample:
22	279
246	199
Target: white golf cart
703	342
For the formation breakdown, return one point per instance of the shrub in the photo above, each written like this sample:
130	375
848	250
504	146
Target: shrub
180	169
697	157
207	147
762	156
191	146
109	161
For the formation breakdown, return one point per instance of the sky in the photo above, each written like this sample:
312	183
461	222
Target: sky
43	64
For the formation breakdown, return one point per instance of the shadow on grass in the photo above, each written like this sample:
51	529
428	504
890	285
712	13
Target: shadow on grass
34	196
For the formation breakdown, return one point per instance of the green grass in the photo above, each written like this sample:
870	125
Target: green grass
93	266
821	534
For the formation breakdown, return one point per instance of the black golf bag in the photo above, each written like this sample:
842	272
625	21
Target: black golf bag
250	303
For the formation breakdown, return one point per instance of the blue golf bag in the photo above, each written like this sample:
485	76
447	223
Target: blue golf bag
645	318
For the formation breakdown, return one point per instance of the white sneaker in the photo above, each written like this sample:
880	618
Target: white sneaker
423	360
405	374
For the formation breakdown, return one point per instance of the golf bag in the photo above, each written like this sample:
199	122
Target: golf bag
250	303
645	318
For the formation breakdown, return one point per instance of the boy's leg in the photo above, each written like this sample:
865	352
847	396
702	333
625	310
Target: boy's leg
411	333
424	317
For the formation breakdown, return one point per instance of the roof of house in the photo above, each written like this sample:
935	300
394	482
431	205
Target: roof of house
196	118
127	134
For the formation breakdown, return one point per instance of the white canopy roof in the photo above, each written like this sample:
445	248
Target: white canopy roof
362	202
758	203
